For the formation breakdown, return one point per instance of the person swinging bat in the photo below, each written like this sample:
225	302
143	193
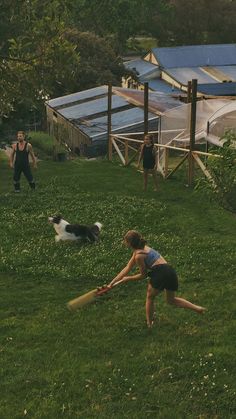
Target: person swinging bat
162	276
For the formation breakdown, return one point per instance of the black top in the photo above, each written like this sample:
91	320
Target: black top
149	159
22	156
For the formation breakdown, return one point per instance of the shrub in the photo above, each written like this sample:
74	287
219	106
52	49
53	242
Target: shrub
45	145
223	171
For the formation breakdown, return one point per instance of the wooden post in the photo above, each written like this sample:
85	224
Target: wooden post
159	139
192	132
189	92
109	109
166	161
126	153
145	108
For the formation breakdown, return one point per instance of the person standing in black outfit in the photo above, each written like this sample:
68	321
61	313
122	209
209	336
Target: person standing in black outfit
148	154
19	160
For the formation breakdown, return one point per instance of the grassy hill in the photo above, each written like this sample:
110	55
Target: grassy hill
102	362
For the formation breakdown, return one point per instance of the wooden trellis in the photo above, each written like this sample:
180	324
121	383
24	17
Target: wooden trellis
124	145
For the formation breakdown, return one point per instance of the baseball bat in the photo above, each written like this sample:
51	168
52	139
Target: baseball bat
88	297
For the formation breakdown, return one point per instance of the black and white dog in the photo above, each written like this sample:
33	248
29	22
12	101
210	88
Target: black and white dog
67	231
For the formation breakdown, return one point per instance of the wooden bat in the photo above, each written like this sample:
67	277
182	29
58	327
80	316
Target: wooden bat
89	297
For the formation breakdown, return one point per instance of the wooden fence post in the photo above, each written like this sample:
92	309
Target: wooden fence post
109	109
192	132
145	108
126	153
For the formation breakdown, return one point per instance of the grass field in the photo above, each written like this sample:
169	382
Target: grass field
102	362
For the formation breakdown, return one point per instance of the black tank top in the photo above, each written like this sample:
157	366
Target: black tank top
22	156
148	157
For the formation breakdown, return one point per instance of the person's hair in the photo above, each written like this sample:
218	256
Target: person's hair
149	137
134	239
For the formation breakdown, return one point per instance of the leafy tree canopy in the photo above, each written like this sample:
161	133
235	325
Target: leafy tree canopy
41	58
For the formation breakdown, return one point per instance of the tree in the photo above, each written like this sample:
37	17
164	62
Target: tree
201	22
98	62
32	60
223	171
120	18
41	58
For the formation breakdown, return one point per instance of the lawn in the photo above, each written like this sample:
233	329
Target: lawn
102	362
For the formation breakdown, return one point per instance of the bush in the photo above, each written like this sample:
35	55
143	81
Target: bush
44	145
223	171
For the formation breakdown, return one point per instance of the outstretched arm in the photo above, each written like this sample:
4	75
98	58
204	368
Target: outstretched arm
123	274
124	271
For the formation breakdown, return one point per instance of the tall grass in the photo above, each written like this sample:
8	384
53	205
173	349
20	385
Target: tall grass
102	362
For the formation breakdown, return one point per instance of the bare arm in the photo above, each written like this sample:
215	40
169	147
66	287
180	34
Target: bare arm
12	155
133	261
30	148
124	271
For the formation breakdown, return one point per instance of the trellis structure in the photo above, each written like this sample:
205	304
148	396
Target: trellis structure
124	144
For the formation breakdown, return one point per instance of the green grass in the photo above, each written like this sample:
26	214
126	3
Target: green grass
102	362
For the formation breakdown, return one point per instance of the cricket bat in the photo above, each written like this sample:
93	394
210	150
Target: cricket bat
89	297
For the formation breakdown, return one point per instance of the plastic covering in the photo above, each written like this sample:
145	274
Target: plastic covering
213	118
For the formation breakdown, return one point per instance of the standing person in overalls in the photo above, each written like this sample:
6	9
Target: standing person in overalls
19	160
148	154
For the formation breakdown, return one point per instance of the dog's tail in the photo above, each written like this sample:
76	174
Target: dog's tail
99	225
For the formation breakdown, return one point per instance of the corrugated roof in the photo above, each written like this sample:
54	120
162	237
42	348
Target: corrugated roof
229	71
218	89
76	97
142	67
196	55
91	107
85	110
160	86
88	111
157	102
184	74
120	121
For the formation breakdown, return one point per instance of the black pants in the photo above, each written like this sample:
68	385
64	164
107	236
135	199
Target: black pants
18	169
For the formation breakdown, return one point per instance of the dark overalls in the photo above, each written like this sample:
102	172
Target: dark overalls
22	165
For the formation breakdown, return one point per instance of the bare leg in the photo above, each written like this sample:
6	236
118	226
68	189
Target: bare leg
151	294
154	175
182	303
145	179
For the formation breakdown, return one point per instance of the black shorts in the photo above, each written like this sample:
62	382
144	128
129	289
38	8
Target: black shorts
149	165
162	277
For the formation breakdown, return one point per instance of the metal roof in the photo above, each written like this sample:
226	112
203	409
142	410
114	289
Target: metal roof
77	97
184	74
121	121
160	86
157	102
196	55
229	71
218	89
87	110
141	67
94	106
